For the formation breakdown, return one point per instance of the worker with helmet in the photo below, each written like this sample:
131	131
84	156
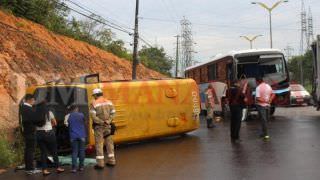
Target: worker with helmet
102	112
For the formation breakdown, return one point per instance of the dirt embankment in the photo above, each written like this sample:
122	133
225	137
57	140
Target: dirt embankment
30	54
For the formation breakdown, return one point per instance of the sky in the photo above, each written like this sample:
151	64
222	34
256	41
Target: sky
216	25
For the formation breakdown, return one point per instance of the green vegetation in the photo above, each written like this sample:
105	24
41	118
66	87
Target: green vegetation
54	16
307	65
11	152
159	61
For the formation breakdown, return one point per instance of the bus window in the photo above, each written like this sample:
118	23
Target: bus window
272	67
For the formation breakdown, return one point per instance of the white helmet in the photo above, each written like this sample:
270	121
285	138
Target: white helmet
96	91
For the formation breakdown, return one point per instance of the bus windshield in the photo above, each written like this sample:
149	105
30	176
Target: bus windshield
272	67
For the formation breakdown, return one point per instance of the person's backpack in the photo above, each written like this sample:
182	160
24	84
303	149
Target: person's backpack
41	114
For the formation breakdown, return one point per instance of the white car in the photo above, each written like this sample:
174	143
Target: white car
299	95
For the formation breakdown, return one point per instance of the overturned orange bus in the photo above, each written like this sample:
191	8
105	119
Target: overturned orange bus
144	109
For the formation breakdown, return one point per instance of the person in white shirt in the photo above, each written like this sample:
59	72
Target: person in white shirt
46	138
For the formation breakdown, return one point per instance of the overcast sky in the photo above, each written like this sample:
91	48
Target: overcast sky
216	24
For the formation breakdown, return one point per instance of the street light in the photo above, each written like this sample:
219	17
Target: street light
251	39
269	9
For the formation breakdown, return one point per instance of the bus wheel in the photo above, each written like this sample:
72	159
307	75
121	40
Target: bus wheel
272	110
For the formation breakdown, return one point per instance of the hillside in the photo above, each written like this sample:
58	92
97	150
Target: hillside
30	54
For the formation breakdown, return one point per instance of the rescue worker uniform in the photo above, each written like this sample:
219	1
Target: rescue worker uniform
102	112
210	101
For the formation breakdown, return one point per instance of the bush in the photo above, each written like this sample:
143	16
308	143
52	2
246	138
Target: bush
7	156
11	152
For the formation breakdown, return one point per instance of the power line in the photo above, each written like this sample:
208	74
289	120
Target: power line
173	9
97	20
145	41
93	13
167	9
102	5
219	25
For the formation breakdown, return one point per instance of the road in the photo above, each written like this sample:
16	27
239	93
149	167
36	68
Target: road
292	153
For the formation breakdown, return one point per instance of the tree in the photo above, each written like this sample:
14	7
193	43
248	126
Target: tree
307	65
47	12
117	48
156	59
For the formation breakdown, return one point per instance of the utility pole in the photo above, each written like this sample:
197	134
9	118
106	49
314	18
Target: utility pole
270	24
135	59
177	56
304	36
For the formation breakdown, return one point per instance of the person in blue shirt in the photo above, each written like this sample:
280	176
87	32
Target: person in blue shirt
75	120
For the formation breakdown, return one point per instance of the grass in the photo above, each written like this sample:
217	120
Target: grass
11	151
308	87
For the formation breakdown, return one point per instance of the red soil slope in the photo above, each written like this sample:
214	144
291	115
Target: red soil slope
30	54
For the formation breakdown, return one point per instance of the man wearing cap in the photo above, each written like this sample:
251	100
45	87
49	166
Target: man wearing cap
102	112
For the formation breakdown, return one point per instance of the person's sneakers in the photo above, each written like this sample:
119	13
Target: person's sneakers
210	124
97	167
59	170
31	172
81	169
36	171
236	140
73	170
46	172
110	164
266	138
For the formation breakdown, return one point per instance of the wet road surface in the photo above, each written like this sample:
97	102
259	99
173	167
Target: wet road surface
293	153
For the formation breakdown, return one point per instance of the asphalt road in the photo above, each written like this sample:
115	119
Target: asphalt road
292	153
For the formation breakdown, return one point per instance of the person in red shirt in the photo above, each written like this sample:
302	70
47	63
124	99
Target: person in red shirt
236	98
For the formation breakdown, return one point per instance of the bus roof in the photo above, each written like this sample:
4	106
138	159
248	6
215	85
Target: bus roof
233	54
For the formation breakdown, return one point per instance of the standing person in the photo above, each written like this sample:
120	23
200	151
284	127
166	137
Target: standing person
236	99
76	122
102	112
210	101
46	138
264	97
28	119
248	100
